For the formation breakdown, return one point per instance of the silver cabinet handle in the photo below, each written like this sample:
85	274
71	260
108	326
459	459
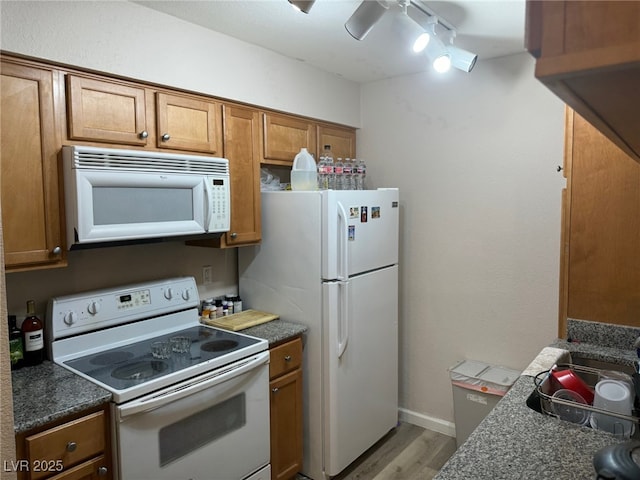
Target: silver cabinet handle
143	134
56	250
102	471
166	137
275	390
71	446
287	358
234	235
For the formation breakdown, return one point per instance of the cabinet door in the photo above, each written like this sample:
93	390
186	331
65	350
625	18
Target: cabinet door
342	141
601	231
186	123
241	146
31	217
284	136
101	111
94	469
69	443
588	54
286	425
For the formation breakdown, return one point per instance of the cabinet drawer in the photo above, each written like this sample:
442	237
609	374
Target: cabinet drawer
71	443
96	468
285	358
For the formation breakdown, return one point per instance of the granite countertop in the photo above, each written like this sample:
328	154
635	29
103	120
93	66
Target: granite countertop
276	331
514	441
47	392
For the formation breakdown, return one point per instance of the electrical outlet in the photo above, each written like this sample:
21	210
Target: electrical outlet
207	275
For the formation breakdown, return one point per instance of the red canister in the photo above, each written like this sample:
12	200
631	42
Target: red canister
571	381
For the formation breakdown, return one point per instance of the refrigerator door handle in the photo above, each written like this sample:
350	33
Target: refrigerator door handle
343	319
343	239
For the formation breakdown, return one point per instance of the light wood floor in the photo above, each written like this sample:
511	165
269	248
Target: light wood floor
408	452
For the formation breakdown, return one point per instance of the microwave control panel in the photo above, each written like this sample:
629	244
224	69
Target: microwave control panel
220	216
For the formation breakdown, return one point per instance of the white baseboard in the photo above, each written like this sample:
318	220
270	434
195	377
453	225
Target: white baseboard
425	421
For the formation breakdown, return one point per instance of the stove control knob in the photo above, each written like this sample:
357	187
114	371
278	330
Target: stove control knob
186	295
70	318
168	294
94	308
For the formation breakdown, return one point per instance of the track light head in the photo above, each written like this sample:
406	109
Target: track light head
365	17
302	5
442	63
462	59
421	42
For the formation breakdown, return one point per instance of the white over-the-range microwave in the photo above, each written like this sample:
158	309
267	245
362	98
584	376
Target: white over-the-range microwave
115	195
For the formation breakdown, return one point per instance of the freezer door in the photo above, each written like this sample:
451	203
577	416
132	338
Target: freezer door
360	230
360	365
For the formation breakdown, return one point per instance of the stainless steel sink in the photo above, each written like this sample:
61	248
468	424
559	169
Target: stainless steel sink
580	359
585	364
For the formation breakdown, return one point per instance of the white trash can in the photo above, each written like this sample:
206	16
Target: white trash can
477	388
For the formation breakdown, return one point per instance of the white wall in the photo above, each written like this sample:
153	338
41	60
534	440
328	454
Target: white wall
106	267
475	158
131	40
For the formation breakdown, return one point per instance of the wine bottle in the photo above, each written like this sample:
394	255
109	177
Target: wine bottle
32	336
16	353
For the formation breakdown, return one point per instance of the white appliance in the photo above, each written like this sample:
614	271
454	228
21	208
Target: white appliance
200	412
329	260
120	195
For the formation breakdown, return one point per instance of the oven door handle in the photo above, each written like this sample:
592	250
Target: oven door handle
189	387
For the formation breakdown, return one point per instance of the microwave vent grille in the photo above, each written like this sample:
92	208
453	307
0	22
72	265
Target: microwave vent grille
139	161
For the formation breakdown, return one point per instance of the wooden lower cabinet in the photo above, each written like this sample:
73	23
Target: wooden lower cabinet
285	374
76	448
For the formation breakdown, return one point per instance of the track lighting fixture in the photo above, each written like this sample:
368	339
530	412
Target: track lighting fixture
365	17
302	5
425	31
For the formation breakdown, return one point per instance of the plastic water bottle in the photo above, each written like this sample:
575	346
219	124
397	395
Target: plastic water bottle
322	175
325	170
331	175
339	174
360	175
347	172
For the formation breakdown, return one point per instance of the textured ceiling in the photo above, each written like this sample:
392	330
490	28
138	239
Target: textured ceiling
489	28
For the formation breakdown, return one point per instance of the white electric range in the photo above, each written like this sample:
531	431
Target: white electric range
189	401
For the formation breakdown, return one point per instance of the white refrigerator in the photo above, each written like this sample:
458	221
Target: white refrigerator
329	260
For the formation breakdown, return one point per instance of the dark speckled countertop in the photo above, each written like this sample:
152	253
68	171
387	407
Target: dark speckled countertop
276	331
48	392
515	442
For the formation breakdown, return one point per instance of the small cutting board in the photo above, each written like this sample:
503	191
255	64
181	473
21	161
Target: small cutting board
242	320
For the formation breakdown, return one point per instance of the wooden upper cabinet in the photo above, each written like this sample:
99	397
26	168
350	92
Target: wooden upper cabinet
241	148
588	54
188	123
31	215
283	137
341	140
102	111
600	264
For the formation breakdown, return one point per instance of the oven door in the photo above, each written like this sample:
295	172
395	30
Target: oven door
214	426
